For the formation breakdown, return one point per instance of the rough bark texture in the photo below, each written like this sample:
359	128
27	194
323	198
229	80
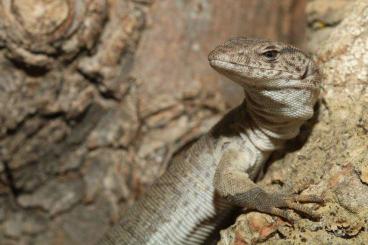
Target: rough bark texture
334	161
96	96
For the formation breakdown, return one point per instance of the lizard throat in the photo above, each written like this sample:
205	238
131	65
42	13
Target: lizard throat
277	114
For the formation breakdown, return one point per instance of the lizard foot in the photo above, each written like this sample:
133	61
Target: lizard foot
275	204
293	202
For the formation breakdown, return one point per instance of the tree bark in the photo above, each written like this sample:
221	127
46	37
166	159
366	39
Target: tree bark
96	96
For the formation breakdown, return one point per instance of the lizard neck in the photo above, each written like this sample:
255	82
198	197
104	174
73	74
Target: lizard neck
276	115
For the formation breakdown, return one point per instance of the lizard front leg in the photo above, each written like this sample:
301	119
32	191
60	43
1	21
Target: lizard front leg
233	183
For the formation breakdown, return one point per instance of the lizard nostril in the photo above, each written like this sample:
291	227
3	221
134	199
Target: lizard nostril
218	53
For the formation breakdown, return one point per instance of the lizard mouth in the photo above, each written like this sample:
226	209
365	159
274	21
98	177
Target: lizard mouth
225	68
220	64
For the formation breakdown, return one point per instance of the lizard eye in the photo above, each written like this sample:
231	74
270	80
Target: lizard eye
271	54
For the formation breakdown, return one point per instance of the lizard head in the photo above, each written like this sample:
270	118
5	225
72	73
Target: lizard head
263	63
281	83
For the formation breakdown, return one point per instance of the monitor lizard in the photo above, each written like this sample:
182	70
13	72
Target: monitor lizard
216	173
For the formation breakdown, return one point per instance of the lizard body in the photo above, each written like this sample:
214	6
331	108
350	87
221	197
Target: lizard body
206	181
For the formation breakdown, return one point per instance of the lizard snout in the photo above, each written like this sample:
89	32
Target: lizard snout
213	55
219	57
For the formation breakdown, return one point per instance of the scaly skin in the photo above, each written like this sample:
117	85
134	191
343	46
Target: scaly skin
215	175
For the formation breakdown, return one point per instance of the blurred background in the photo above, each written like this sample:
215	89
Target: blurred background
96	96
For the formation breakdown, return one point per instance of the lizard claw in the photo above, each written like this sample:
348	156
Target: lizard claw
294	202
274	204
307	198
285	214
300	208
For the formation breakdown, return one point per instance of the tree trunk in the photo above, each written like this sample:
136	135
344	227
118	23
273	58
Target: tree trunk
96	96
